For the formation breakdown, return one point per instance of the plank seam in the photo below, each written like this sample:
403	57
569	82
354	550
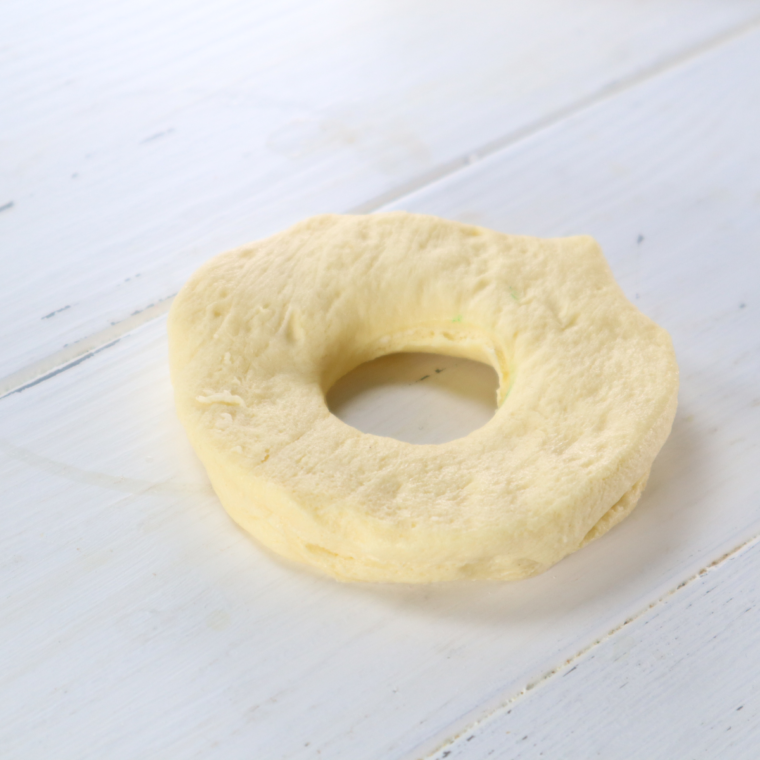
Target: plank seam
564	668
607	92
80	351
70	356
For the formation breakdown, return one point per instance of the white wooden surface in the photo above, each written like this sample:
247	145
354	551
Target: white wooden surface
138	621
678	682
140	138
417	398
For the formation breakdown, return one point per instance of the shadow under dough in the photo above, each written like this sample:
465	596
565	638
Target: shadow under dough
647	540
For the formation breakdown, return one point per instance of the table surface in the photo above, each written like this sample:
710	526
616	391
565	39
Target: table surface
140	138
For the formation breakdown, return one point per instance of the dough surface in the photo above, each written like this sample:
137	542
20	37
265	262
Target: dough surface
587	395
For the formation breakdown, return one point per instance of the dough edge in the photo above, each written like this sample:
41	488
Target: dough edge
260	511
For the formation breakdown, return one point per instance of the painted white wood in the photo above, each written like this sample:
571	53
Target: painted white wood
418	398
138	621
681	681
665	178
139	138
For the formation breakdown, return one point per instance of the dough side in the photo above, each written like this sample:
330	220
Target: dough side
587	395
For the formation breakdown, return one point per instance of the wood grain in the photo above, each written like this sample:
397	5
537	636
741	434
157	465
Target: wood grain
679	681
141	138
138	621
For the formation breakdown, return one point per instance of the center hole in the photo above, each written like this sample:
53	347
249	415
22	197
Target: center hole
417	398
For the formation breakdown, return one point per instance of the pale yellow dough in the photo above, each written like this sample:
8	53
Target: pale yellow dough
587	395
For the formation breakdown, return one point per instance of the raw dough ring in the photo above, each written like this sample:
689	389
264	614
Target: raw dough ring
587	395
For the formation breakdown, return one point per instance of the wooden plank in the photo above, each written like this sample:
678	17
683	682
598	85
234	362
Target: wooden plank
139	622
141	138
138	619
668	186
679	681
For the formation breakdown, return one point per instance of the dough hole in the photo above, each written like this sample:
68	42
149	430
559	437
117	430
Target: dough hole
418	398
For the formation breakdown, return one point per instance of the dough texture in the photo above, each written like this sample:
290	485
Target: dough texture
587	395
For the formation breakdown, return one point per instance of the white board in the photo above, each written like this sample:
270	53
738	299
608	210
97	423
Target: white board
679	681
140	138
138	621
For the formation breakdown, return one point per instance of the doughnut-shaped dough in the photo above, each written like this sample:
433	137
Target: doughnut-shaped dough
586	399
